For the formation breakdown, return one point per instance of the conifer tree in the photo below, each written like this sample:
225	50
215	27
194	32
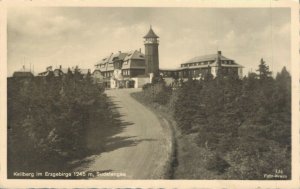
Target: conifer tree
263	70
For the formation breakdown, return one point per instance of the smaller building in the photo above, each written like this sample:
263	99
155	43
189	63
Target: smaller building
60	71
46	73
23	74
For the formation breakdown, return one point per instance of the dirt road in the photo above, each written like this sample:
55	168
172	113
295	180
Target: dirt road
150	146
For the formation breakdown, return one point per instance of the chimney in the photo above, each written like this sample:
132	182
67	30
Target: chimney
219	64
140	50
60	67
120	52
219	58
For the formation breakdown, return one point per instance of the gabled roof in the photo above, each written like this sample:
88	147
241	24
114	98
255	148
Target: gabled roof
106	64
104	60
134	64
116	56
151	34
45	73
134	55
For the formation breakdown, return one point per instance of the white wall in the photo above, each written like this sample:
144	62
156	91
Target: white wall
240	72
140	81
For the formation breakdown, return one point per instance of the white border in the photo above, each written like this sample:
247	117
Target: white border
294	183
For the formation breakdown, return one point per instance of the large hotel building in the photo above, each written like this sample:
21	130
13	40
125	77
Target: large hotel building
117	68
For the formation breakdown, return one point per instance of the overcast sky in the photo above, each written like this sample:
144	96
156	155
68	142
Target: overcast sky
82	36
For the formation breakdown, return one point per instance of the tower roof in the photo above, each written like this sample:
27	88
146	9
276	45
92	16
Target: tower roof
151	34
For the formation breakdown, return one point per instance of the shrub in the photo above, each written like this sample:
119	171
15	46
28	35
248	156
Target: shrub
48	119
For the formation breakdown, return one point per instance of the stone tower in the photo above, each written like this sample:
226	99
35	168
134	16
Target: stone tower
151	53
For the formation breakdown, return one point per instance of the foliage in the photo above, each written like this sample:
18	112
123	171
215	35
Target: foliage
246	122
48	118
157	92
263	70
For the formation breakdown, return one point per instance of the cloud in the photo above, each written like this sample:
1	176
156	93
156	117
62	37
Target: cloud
39	23
72	36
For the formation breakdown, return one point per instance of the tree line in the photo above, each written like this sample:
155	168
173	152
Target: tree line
245	123
48	119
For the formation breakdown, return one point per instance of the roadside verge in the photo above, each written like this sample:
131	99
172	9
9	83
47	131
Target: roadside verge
168	125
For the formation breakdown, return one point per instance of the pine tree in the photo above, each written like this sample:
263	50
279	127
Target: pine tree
263	70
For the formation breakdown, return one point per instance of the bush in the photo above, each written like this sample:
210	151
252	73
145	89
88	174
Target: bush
217	164
157	93
230	114
48	118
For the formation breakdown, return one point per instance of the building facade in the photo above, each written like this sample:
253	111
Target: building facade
198	66
118	68
129	64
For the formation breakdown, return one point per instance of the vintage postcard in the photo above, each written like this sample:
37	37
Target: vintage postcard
150	94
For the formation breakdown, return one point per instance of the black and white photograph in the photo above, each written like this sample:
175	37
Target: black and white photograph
149	93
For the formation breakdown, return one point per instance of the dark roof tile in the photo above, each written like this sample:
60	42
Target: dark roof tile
151	34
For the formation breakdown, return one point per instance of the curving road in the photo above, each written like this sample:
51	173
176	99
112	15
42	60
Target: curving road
148	154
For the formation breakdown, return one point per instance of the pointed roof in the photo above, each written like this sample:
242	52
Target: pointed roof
151	34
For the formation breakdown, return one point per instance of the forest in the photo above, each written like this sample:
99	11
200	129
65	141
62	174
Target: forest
241	127
48	119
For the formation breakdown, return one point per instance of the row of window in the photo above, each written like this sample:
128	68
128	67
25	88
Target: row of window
205	63
109	74
196	64
198	72
125	72
227	62
118	63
